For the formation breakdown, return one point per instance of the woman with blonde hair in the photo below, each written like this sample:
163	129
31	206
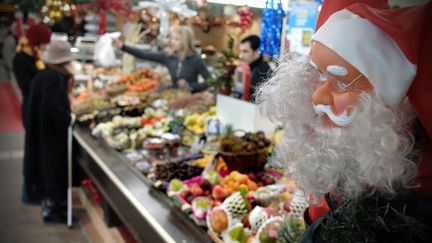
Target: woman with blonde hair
182	61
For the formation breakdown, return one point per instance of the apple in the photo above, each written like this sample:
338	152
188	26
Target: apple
252	176
216	203
196	190
219	192
287	205
184	194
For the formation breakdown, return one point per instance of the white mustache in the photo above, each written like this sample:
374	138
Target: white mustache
341	120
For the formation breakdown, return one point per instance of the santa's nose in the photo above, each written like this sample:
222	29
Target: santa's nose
323	95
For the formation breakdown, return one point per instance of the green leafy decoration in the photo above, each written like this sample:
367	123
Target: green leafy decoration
225	67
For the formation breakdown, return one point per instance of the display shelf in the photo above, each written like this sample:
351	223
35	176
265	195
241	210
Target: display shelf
147	213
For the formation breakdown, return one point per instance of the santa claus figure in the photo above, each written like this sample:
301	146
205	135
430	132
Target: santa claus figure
357	117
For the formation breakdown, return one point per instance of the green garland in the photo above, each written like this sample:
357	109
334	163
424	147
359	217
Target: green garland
377	219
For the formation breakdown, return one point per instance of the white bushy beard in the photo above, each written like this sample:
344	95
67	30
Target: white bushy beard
368	155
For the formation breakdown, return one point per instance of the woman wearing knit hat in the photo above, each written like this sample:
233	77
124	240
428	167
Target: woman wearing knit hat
26	63
48	109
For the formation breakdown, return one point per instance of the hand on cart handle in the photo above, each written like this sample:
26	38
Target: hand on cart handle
73	118
116	43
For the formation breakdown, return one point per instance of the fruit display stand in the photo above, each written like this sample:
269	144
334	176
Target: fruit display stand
145	211
168	177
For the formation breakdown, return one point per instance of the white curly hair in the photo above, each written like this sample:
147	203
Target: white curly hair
369	155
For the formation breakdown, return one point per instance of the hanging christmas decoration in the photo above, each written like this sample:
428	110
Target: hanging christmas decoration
272	16
245	18
54	10
240	20
149	19
119	7
206	22
166	6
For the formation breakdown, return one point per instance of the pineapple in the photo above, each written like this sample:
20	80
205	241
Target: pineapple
291	230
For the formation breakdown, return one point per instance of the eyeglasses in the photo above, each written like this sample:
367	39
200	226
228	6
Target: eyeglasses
338	84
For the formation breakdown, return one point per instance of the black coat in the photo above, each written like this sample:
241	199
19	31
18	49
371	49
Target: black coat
260	72
24	68
48	109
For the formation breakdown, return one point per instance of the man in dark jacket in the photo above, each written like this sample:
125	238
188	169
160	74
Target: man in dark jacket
47	121
259	68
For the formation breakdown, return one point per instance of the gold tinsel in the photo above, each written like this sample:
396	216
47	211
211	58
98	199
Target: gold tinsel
54	10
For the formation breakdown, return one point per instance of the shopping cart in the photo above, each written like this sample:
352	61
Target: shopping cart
69	161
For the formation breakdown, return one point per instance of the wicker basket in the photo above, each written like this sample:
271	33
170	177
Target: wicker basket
246	161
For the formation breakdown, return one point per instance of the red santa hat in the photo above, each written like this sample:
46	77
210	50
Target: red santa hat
382	43
420	92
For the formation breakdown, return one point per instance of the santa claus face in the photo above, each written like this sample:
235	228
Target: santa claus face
339	85
370	153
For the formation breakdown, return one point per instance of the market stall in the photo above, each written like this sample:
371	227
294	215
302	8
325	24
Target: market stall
167	150
146	212
171	169
173	147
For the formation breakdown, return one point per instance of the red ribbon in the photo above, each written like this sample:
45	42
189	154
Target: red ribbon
102	21
246	79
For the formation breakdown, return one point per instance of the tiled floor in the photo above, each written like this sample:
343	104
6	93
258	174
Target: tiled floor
20	222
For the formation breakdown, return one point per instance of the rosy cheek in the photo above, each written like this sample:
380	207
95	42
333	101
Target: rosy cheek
341	102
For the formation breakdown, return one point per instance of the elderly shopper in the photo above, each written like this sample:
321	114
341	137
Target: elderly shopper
49	115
